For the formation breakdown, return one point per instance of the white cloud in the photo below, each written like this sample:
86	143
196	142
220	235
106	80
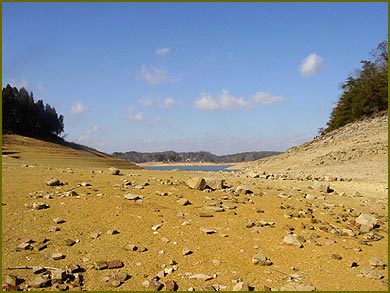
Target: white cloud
311	65
91	137
265	98
133	115
168	103
146	102
155	76
206	102
77	108
163	51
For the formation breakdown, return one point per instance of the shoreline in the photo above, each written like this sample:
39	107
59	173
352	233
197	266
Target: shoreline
148	164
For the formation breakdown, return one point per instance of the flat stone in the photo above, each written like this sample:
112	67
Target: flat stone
370	273
69	242
113	171
187	251
58	275
242	190
214	183
297	287
101	265
214	208
130	247
114	282
10	280
156	227
73	268
292	240
261	260
40	282
336	256
321	186
241	286
204	288
58	220
132	196
377	263
207	231
121	276
205	215
171	285
197	183
57	256
94	235
156	285
112	232
39	206
114	264
184	202
366	220
203	277
53	182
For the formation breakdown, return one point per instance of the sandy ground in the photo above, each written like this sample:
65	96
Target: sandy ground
275	208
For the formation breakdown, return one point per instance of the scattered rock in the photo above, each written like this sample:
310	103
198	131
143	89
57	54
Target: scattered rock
370	273
297	287
53	182
214	208
69	242
38	206
186	251
292	240
241	286
112	232
207	231
132	196
203	277
336	256
114	282
367	222
113	171
40	282
184	202
205	215
100	265
242	190
171	285
114	264
197	183
10	280
261	260
130	247
156	285
321	186
57	256
156	227
59	221
214	183
377	263
95	235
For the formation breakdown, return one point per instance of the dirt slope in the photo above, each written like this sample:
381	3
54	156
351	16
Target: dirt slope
90	209
48	153
358	150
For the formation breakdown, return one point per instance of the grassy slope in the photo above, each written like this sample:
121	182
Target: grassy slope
59	154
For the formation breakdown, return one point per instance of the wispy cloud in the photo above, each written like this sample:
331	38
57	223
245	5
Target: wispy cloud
311	65
163	51
77	108
265	98
132	114
91	137
154	76
169	103
206	102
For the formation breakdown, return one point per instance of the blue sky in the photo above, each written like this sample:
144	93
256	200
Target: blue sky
218	77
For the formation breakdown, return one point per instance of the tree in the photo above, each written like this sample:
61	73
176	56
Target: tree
363	95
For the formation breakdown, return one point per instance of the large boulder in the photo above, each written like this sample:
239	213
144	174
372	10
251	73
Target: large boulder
321	186
113	171
214	183
198	183
366	222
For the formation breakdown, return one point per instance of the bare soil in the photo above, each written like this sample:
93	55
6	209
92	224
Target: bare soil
278	206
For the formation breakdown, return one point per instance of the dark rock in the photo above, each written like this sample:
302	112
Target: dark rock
114	264
171	285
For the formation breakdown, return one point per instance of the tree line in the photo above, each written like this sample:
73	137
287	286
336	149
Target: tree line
24	116
171	156
364	93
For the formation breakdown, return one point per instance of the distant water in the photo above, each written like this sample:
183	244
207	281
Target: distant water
205	168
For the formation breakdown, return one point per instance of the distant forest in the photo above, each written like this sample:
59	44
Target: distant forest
22	115
171	156
365	93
